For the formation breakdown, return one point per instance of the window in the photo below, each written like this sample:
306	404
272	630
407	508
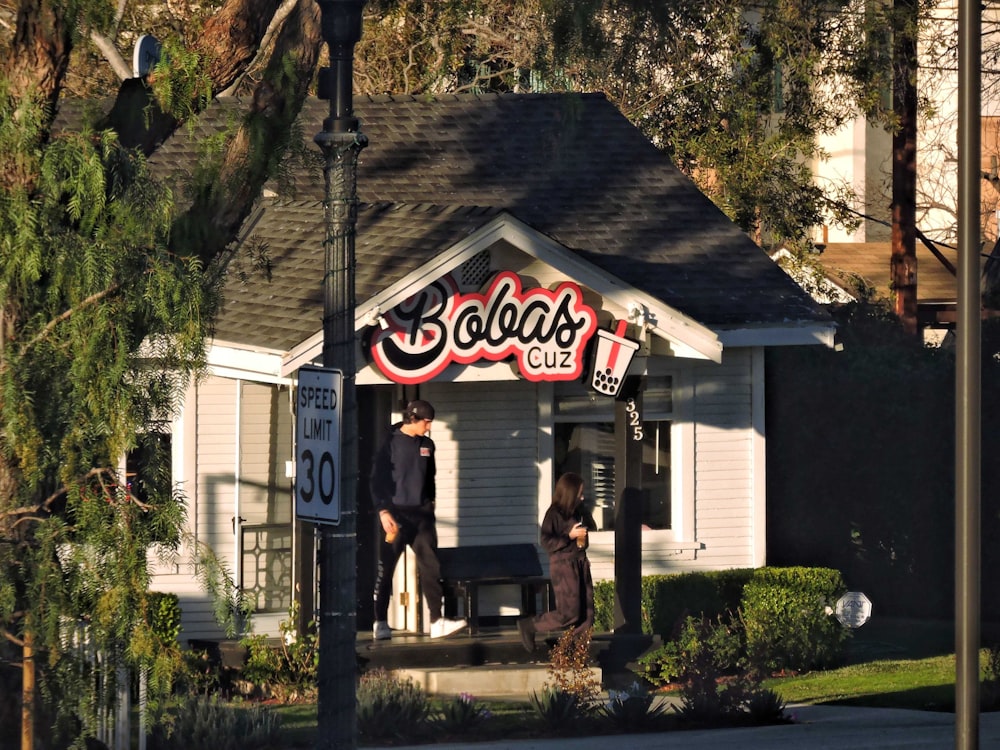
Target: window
148	465
586	443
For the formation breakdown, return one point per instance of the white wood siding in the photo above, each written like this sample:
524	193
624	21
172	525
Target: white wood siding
486	436
724	463
265	446
208	426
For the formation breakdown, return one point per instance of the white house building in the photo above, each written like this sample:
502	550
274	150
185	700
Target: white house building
629	320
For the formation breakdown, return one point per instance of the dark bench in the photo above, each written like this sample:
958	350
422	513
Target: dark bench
465	570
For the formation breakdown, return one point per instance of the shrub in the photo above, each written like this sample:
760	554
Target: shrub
261	665
717	645
632	710
285	668
569	667
740	701
560	712
990	692
668	599
390	707
462	713
764	706
716	686
197	721
787	621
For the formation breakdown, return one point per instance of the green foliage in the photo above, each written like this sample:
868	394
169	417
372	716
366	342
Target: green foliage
165	616
200	675
208	722
560	711
716	685
668	599
390	707
765	706
717	645
285	668
632	710
569	667
178	80
990	683
231	608
104	322
461	714
781	620
737	702
787	618
262	663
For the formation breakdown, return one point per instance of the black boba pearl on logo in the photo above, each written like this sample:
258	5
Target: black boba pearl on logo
604	381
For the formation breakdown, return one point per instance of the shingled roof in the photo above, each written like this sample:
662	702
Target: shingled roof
570	166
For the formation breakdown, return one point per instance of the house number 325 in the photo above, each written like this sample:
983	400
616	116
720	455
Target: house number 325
634	420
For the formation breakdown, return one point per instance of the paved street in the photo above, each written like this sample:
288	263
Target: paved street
816	728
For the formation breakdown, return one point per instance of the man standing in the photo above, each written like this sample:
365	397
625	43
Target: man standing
402	488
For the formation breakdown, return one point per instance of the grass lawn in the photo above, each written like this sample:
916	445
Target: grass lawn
926	684
891	664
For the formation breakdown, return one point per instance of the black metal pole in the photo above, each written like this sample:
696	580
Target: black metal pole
967	382
340	142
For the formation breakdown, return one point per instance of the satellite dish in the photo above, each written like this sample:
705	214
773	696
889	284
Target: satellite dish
145	55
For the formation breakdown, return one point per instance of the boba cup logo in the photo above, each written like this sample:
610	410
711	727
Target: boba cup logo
612	358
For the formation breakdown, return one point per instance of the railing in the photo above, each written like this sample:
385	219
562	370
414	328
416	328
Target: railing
266	570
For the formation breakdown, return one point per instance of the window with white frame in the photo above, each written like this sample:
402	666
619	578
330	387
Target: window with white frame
585	443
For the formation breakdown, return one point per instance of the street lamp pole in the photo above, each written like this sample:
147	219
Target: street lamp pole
340	142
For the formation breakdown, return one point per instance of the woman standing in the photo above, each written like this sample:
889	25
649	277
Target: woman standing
564	536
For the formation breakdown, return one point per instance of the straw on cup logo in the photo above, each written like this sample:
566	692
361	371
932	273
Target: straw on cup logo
611	359
545	331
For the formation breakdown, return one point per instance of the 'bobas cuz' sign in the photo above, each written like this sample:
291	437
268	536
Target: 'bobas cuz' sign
545	331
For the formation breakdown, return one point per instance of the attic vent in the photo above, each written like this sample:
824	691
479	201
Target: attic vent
475	271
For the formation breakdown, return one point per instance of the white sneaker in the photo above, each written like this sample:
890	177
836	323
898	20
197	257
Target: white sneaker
381	631
445	627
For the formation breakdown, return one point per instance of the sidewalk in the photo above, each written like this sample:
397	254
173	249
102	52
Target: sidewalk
815	728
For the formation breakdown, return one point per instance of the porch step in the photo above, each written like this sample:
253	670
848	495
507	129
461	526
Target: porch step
517	681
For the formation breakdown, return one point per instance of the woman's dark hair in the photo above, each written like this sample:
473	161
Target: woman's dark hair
567	493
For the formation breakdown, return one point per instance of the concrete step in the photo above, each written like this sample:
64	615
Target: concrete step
515	681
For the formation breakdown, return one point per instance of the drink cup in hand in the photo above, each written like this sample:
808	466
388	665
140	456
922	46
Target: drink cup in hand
390	536
581	541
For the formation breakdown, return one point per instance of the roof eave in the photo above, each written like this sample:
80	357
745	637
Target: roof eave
805	333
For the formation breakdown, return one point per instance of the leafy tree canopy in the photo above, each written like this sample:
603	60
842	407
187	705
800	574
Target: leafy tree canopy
738	94
109	281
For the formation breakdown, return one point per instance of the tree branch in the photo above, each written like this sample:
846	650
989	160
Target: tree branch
50	326
121	68
10	636
46	504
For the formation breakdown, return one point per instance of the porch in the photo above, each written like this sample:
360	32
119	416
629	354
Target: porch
493	662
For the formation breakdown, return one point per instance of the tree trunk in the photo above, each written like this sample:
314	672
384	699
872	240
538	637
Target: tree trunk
41	47
28	694
232	36
903	266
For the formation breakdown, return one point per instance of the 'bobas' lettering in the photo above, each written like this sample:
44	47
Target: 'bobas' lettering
545	331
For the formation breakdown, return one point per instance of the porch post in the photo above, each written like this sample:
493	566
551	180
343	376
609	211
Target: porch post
628	511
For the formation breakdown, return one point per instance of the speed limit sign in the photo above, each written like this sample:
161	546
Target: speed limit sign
317	444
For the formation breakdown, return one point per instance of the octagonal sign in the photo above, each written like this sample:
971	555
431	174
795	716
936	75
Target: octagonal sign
853	609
